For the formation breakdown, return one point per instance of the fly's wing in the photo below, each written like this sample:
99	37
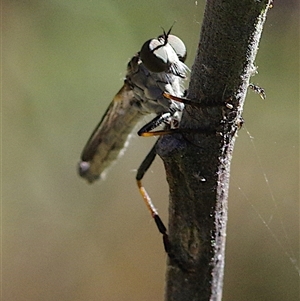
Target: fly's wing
110	136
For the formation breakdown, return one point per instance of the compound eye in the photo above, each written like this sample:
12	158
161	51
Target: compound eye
178	47
154	55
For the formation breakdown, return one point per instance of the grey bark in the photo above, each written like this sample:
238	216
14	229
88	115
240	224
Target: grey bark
197	161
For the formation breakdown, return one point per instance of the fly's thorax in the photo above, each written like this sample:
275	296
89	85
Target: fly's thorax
148	88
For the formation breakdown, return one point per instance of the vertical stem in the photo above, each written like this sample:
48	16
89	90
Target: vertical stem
197	161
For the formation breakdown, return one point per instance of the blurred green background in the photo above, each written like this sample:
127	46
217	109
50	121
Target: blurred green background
62	239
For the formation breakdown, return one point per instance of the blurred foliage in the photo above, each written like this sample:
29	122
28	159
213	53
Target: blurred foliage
65	240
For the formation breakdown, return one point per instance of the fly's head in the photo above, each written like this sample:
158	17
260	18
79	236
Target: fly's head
167	54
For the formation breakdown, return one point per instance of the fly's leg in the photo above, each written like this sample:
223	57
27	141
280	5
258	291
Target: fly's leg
193	103
140	174
145	131
259	90
181	99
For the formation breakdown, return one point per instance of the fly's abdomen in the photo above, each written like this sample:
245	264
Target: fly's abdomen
110	136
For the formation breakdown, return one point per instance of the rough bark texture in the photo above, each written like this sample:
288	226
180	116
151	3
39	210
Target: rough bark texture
197	161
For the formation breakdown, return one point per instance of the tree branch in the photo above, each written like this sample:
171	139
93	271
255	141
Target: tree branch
197	162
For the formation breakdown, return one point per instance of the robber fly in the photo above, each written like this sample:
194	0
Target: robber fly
154	77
